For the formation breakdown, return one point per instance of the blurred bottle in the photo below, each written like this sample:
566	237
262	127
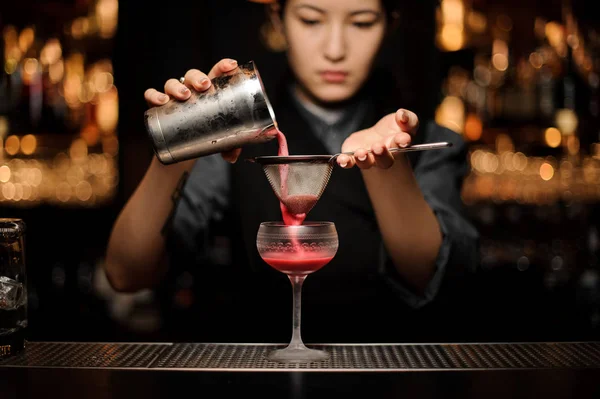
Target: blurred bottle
543	59
28	113
567	88
30	102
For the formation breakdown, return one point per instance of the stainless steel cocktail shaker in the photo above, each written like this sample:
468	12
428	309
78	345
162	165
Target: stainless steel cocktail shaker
232	113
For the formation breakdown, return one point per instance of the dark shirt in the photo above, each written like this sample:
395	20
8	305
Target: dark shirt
214	187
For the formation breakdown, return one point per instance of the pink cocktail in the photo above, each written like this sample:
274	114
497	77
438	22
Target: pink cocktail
297	263
297	251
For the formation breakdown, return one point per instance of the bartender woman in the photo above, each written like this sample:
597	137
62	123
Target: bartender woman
404	239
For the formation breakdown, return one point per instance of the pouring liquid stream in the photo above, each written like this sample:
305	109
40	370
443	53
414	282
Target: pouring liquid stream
292	209
293	214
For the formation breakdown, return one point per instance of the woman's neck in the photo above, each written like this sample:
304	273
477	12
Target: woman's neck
328	112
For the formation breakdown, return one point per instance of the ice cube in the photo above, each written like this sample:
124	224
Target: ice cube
11	292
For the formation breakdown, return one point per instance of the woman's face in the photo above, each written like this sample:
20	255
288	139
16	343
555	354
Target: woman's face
332	44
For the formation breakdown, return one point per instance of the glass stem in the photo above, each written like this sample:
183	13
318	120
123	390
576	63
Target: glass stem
296	280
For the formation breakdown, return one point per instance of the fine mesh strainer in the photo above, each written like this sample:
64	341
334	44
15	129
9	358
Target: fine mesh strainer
299	180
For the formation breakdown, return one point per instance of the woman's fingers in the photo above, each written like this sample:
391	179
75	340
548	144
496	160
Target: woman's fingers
364	159
154	97
345	161
222	67
177	90
193	79
382	155
197	80
402	139
407	120
379	155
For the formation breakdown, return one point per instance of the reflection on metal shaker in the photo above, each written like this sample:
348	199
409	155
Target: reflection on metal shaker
232	113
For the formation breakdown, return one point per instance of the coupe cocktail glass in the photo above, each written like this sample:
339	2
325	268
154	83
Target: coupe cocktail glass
297	251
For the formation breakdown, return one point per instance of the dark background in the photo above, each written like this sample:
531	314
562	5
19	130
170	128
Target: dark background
69	299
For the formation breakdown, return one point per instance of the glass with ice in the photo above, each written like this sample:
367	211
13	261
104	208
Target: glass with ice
13	286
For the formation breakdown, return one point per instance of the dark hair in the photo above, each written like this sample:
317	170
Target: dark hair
391	8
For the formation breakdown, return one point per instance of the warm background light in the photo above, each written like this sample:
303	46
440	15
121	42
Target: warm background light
566	121
473	128
59	76
546	171
553	137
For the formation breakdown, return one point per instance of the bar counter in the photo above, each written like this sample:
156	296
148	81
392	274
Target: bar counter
171	370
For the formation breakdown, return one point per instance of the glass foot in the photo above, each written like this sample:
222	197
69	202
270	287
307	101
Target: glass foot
298	355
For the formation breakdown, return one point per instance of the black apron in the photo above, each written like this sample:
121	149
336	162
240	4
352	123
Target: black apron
345	301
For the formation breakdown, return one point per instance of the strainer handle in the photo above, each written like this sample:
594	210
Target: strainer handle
416	147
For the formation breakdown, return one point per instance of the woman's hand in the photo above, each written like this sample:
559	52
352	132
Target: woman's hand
371	146
194	80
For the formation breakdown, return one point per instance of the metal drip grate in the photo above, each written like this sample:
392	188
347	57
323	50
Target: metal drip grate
390	357
346	357
85	355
